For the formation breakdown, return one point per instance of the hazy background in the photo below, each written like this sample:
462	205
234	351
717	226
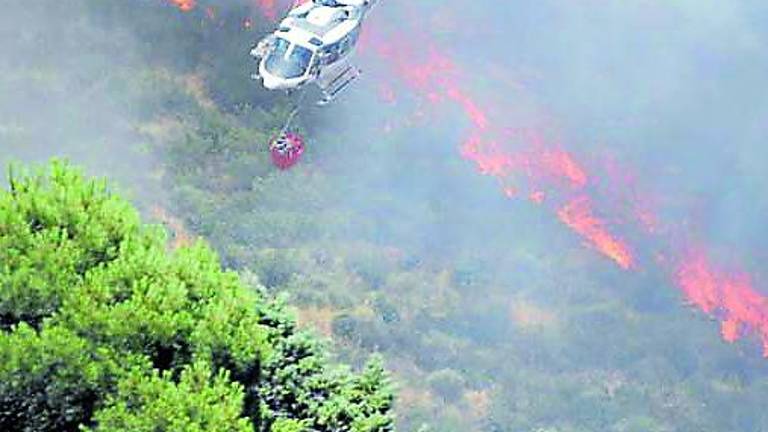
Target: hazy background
61	92
673	92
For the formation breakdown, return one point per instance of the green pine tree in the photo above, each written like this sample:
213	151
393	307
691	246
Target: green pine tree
103	329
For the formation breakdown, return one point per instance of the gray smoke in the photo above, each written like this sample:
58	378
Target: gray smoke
63	92
676	92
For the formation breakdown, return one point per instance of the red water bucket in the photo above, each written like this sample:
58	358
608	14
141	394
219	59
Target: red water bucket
286	149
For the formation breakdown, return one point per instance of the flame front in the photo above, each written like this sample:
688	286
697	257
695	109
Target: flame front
524	155
729	297
579	216
546	169
526	163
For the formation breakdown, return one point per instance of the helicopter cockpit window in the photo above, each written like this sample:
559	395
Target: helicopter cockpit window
345	45
288	60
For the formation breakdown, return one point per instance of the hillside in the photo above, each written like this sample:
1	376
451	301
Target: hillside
491	314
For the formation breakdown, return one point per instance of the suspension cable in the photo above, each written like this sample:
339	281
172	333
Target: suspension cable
293	113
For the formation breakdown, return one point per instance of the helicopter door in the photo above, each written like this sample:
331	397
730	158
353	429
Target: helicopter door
330	54
342	48
348	42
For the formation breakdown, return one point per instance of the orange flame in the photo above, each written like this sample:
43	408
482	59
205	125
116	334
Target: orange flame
562	164
699	283
269	8
554	173
579	216
728	297
510	191
537	197
184	5
437	78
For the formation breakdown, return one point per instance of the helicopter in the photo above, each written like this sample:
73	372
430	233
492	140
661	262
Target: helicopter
313	44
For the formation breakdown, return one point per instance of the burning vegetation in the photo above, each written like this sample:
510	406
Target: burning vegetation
522	159
184	5
528	165
574	231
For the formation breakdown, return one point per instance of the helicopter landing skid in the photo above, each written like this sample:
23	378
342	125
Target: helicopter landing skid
338	84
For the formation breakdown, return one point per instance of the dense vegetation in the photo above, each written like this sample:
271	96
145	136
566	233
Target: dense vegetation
490	315
104	327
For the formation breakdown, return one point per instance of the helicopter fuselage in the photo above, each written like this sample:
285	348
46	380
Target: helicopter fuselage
313	44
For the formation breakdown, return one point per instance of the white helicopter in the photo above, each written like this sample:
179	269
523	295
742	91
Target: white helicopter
313	44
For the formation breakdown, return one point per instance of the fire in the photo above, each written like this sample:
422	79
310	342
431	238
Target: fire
730	298
551	170
489	157
699	283
268	8
562	164
579	216
184	5
473	112
537	197
543	166
528	165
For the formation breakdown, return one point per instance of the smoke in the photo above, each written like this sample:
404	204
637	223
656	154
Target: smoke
568	101
57	97
559	105
97	82
669	91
